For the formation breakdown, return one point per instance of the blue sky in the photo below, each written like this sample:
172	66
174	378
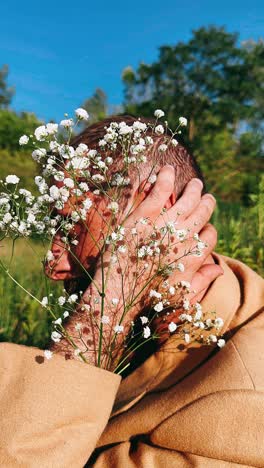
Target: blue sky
59	52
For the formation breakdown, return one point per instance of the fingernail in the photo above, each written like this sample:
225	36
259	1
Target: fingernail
209	195
197	181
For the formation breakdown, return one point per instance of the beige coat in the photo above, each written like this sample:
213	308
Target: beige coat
179	409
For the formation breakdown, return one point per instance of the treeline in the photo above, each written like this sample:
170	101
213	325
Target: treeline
213	79
218	84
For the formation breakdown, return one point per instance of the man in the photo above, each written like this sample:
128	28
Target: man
196	407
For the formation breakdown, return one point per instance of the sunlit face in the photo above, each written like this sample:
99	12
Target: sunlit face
67	265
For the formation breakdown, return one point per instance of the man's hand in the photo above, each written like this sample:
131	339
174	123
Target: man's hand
192	211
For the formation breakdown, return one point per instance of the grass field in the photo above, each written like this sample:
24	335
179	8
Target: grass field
24	321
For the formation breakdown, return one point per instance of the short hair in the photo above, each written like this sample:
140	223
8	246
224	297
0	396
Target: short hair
184	163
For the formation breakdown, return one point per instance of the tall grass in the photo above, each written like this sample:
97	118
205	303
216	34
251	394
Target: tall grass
24	321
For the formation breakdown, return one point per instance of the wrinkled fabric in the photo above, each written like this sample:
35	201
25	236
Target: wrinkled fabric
198	407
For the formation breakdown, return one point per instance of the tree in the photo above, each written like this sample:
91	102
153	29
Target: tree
6	93
13	126
96	106
217	84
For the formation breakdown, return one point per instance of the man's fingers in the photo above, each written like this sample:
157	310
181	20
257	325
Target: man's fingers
159	195
189	200
198	219
202	279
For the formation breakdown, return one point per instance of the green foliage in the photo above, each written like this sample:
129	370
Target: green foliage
218	85
241	231
6	92
23	320
21	164
96	106
13	126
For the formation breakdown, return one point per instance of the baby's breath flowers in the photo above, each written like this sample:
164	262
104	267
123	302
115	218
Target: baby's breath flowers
75	176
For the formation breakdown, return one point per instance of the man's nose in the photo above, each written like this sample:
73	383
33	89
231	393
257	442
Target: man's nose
61	267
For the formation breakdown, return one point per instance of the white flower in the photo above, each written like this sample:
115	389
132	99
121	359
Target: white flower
7	218
83	187
139	126
105	319
67	123
59	176
154	293
56	337
4	200
87	203
186	304
82	114
52	128
152	179
58	321
181	234
23	140
124	129
68	182
180	267
146	332
174	142
66	314
149	140
41	133
172	327
78	326
115	301
172	290
54	192
219	323
74	242
118	329
209	323
144	319
187	338
109	160
159	130
98	178
12	179
113	206
75	216
73	298
44	301
198	315
201	245
183	121
212	338
158	307
49	256
77	351
48	354
159	113
221	343
122	249
162	148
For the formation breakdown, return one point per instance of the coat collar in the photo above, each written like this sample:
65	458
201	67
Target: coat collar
228	296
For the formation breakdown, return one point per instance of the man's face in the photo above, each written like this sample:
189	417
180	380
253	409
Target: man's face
69	265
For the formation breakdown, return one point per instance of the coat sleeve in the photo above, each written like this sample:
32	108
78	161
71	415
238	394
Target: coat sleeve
52	412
